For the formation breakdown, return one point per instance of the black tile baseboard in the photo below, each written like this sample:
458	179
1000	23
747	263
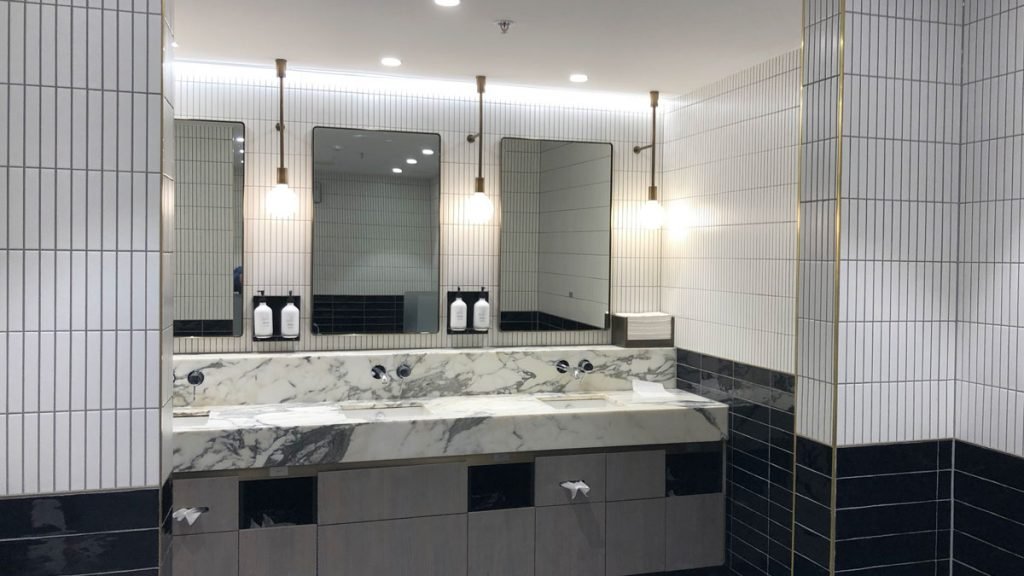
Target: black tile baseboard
74	534
988	512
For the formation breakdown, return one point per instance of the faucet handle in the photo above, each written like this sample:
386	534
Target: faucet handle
403	371
379	373
585	366
562	366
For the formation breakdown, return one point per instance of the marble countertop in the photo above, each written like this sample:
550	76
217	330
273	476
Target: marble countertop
301	434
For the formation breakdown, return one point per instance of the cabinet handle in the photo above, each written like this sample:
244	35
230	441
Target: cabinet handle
190	515
576	486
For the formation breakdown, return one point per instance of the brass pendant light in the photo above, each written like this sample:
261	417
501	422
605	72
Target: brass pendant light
480	207
281	201
651	213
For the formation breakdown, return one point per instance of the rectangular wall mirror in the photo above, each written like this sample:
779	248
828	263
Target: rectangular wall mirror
556	200
376	231
210	163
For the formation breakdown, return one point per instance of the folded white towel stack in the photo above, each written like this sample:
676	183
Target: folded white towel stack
648	326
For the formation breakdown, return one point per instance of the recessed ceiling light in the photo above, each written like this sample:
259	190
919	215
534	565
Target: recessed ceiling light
239	139
390	61
396	170
412	161
578	78
428	152
174	43
447	3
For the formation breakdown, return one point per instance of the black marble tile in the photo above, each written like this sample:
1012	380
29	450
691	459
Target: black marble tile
500	486
990	464
984	557
930	568
813	455
891	489
889	519
753	374
989	527
81	554
813	486
79	513
804	566
688	357
991	496
887	459
813	515
862	553
812	545
719	366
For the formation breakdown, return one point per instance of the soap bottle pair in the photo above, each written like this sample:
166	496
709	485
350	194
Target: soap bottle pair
481	314
263	319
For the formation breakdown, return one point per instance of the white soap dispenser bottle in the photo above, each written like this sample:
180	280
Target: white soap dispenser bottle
482	313
457	313
263	320
290	319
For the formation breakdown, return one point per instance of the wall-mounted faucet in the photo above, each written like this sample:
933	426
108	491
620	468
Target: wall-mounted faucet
583	368
562	366
380	373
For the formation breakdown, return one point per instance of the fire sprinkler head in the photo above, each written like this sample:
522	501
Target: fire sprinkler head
504	24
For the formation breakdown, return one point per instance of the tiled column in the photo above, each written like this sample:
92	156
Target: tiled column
877	284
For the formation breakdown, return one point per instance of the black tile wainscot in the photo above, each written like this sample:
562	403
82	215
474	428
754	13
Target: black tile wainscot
988	512
759	458
893	509
79	534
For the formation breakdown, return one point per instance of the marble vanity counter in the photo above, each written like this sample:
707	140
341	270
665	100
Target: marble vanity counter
299	434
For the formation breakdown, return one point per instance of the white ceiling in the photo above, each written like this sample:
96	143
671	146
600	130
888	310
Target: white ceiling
623	45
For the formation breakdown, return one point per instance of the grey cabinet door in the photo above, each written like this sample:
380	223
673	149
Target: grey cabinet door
501	542
636	537
551	471
636	475
695	531
430	546
570	540
219	495
385	493
283	551
205	555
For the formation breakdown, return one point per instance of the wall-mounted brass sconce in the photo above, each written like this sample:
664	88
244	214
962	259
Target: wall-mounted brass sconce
281	201
651	213
480	208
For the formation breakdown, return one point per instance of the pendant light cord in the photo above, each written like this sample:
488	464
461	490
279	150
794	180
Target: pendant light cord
653	191
281	64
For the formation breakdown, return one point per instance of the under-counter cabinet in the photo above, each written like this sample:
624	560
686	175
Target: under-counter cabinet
393	521
278	551
213	554
208	546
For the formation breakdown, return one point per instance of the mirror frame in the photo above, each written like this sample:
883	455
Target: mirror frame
313	330
238	330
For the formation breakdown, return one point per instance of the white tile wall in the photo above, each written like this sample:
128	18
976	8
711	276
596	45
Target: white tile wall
80	231
573	234
990	342
375	235
277	255
730	193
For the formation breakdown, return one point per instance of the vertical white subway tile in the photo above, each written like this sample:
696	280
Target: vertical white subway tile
78	455
108	449
46	453
123	447
62	451
93	450
30	453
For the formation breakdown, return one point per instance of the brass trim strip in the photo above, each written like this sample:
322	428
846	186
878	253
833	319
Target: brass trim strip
796	300
840	90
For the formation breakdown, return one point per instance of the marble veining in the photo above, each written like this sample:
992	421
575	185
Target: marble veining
257	436
244	379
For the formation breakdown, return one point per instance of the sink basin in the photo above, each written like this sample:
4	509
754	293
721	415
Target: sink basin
578	403
311	416
386	413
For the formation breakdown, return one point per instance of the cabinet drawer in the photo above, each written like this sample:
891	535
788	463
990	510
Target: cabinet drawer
570	540
551	471
695	525
388	493
434	546
279	551
636	475
636	537
501	542
205	555
219	495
